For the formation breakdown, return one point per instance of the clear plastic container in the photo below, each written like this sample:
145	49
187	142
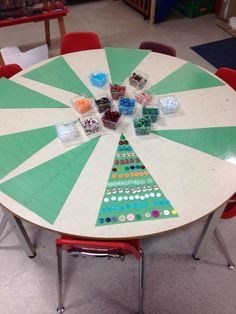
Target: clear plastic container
117	91
143	126
103	102
126	105
82	104
138	79
111	119
91	125
152	112
67	133
168	104
98	79
143	98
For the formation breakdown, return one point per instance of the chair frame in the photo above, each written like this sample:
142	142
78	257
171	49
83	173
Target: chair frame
104	253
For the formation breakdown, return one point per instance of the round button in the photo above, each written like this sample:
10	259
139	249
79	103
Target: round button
166	212
106	200
147	215
130	217
120	198
125	198
101	220
113	198
122	218
155	213
108	219
114	219
131	197
137	197
158	195
142	198
174	212
138	217
152	194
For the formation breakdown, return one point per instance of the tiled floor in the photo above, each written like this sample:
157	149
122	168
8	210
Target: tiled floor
174	282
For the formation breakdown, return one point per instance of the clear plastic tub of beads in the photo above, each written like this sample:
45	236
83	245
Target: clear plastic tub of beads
111	119
138	79
82	104
143	98
143	125
168	104
126	105
98	79
117	91
91	125
152	112
103	102
68	133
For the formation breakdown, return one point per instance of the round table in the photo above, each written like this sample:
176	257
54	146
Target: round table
196	182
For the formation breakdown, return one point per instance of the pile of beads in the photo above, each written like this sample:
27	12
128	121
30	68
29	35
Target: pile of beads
126	105
143	98
143	125
83	105
91	125
67	132
110	119
138	81
117	91
152	112
98	79
168	104
103	104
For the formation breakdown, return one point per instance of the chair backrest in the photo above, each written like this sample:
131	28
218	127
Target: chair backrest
228	75
9	70
78	41
230	209
158	47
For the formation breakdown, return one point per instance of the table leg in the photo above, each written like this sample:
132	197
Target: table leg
47	32
61	26
20	232
208	231
152	11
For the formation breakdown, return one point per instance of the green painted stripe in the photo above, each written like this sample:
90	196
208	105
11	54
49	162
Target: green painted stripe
219	142
187	77
59	74
45	188
14	95
17	147
123	61
113	210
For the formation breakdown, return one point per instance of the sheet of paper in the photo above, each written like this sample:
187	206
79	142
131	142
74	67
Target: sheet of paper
123	61
24	59
44	189
187	77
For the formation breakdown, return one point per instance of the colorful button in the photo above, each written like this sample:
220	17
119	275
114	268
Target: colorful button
158	195
136	196
125	198
174	212
101	220
114	219
122	218
147	215
152	194
142	197
108	219
166	212
120	198
113	198
106	200
138	217
131	197
130	217
155	213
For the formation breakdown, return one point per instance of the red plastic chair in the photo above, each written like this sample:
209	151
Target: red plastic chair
158	47
78	41
229	212
117	249
228	75
9	70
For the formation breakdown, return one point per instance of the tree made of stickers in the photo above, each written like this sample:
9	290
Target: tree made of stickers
131	193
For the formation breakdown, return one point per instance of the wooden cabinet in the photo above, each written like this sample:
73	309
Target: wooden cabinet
142	6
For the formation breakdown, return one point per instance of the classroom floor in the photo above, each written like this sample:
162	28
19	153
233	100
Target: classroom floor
174	282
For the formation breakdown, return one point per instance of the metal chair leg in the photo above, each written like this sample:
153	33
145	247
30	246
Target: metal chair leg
141	281
3	224
223	248
60	308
